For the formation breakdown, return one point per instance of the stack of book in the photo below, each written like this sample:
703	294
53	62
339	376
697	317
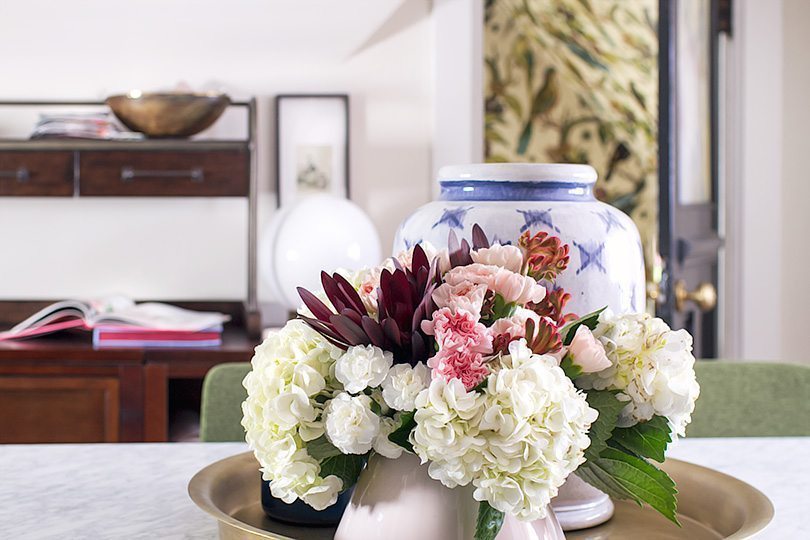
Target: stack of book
120	322
97	126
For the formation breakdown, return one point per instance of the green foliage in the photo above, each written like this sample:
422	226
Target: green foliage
489	522
615	459
347	467
401	435
572	371
590	320
623	476
501	308
321	448
647	439
609	407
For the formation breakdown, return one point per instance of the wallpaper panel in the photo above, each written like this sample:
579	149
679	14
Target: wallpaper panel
577	81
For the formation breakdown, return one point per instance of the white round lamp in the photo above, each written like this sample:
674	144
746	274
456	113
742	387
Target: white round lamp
318	232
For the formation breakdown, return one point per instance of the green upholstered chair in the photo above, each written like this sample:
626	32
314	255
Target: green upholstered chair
751	399
222	397
737	399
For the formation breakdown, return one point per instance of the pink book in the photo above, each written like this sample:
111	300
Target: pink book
116	311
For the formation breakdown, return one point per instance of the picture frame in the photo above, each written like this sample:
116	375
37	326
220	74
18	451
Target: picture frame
312	146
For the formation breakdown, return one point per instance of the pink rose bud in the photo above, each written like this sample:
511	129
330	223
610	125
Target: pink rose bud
587	352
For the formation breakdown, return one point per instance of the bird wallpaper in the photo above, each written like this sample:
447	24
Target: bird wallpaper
576	81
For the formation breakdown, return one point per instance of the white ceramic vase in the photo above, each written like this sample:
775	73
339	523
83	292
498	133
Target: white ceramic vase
395	499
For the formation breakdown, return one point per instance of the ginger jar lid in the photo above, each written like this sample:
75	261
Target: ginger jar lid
519	172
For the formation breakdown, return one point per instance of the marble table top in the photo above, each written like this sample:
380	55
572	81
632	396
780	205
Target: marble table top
134	491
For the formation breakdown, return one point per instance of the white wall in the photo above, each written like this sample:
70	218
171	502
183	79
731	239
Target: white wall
795	181
458	84
378	51
768	183
754	257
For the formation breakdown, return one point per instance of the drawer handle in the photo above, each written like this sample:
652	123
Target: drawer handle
128	174
20	174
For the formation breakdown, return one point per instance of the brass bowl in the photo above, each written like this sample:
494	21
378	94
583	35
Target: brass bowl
160	115
711	506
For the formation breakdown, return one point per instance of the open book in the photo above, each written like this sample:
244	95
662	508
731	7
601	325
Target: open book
116	311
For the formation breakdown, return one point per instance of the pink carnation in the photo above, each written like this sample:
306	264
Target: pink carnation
465	365
464	295
588	352
515	325
513	287
458	330
509	257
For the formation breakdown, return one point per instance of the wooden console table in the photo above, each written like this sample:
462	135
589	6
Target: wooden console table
60	389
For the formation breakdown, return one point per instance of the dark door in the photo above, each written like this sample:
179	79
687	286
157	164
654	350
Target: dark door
689	242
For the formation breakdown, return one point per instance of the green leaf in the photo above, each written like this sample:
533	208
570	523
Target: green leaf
347	467
572	371
590	321
648	439
321	448
609	407
502	309
499	309
482	386
489	522
623	476
401	435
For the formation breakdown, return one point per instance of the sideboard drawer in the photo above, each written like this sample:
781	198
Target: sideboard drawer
215	173
28	174
59	409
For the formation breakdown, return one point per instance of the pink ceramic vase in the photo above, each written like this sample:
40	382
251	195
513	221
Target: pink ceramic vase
395	499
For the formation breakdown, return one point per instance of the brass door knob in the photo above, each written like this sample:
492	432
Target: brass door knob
654	292
704	296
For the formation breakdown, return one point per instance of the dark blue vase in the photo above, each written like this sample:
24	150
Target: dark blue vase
300	513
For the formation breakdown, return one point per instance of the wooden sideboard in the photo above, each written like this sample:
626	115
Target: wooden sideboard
60	389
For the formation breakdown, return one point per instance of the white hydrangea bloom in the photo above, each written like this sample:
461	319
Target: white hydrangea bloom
300	478
350	423
536	428
323	494
362	366
290	369
382	445
516	442
651	365
403	383
446	432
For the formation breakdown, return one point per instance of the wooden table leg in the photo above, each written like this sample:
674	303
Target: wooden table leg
156	402
131	395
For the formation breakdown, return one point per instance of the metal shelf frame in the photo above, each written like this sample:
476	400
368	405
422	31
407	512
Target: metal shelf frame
252	313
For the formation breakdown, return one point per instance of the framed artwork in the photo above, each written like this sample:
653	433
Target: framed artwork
312	146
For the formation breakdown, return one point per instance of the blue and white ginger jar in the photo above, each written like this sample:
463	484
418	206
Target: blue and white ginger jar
606	266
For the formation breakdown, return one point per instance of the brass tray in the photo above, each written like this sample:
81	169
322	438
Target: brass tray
711	505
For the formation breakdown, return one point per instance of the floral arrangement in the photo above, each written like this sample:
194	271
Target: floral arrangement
467	358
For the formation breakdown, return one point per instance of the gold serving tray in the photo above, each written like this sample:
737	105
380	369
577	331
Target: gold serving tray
711	505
